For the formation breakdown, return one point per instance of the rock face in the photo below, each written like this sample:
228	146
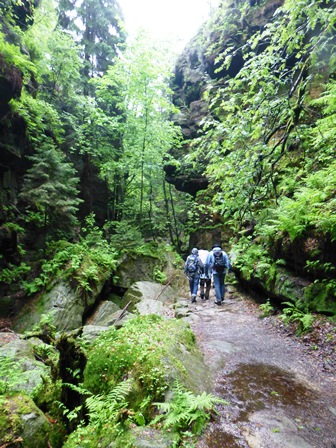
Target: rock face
133	269
10	85
197	70
13	143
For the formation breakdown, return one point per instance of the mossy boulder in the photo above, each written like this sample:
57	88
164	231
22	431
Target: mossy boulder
135	268
65	306
102	314
153	351
289	287
320	297
20	371
148	355
23	424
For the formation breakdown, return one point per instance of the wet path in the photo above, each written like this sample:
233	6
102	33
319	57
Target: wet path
278	398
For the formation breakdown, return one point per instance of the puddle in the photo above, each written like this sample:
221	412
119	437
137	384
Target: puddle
219	439
253	387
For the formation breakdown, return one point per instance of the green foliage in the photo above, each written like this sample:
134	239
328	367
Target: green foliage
51	188
293	313
45	326
252	259
311	207
187	411
99	29
104	413
13	55
13	273
123	235
266	308
41	118
138	350
259	117
268	138
320	296
86	263
134	350
103	408
159	276
138	86
11	374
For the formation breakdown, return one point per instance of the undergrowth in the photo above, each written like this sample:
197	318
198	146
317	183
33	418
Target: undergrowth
126	382
293	313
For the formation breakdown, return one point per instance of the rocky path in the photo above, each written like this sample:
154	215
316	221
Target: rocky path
278	396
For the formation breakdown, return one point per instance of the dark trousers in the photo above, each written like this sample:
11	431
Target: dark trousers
205	286
219	285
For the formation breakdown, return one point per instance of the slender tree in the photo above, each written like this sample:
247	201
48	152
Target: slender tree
50	188
98	28
141	80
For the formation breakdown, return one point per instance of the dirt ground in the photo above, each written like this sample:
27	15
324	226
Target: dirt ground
280	388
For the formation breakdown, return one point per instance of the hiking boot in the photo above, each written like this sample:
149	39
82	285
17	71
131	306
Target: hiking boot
218	303
202	296
193	299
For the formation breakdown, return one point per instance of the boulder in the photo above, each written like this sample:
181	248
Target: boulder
151	438
289	287
65	306
92	331
106	315
148	297
102	315
26	373
23	424
135	268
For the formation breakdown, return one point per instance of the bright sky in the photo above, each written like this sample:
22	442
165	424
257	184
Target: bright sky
167	19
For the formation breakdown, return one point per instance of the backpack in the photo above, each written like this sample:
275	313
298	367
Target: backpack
192	264
219	261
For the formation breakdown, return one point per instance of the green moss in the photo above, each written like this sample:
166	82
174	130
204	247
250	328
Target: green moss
89	437
13	427
321	297
143	350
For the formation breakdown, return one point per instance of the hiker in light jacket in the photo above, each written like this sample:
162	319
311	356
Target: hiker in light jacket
193	268
218	264
205	280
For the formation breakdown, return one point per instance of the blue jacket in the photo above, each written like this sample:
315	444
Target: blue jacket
209	263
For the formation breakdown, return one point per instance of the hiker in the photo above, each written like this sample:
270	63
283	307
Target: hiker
193	268
205	280
218	264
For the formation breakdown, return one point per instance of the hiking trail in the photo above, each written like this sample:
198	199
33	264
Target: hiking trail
278	396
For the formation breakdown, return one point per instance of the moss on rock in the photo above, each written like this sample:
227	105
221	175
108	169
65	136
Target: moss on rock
23	423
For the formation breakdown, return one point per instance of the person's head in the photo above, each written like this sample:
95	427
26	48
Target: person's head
216	246
194	251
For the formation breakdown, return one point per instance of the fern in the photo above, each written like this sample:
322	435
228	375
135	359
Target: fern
103	408
186	410
293	314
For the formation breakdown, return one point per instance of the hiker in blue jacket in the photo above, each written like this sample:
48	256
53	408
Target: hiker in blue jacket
193	268
217	264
